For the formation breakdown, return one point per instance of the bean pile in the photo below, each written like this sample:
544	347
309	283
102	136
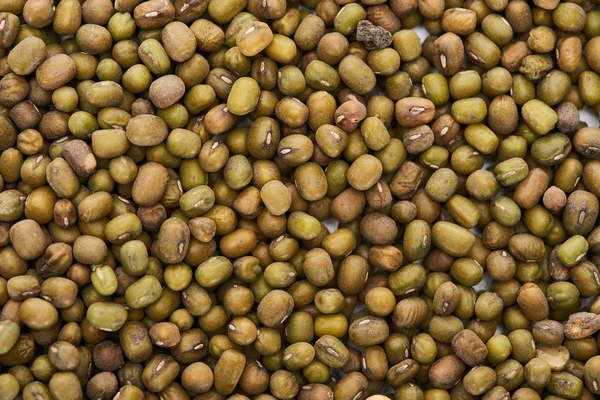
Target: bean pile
167	168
